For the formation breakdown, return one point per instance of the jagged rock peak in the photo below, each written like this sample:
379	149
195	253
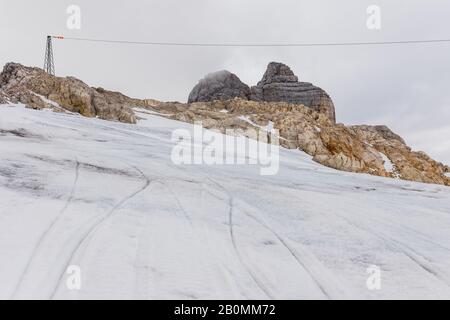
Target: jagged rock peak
278	72
220	85
280	84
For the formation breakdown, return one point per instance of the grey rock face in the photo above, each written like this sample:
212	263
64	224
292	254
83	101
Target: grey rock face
221	85
278	73
280	84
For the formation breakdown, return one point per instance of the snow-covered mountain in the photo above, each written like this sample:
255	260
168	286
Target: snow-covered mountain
106	197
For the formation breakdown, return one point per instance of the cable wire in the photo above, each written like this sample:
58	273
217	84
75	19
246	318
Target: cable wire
187	44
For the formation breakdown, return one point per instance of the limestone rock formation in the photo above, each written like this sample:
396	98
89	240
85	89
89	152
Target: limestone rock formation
221	85
374	150
407	164
279	83
3	98
37	89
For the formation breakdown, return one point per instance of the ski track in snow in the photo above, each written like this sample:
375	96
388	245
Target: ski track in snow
178	202
47	231
294	255
421	260
231	207
158	230
85	240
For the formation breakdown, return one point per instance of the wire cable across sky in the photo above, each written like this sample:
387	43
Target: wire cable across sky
194	44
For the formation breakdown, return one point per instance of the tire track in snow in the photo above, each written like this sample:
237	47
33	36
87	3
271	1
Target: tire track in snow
47	231
329	293
85	240
294	254
418	234
178	202
241	260
419	259
223	269
141	269
261	286
141	276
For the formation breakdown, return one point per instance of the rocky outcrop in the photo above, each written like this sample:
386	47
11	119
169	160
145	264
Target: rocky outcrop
372	132
374	150
37	89
279	84
3	98
406	164
221	85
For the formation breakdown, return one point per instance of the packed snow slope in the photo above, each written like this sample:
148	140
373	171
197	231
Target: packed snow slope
106	197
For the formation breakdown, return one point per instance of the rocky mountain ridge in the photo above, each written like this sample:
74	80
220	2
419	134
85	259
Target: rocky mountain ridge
278	84
374	150
38	90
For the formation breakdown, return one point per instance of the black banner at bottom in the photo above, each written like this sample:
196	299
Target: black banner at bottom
173	310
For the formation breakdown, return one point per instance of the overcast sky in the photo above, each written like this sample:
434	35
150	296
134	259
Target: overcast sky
406	87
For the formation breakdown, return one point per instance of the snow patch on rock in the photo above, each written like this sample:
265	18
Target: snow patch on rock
389	166
142	111
47	101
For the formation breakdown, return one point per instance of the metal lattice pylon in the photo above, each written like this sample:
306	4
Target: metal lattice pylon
49	65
